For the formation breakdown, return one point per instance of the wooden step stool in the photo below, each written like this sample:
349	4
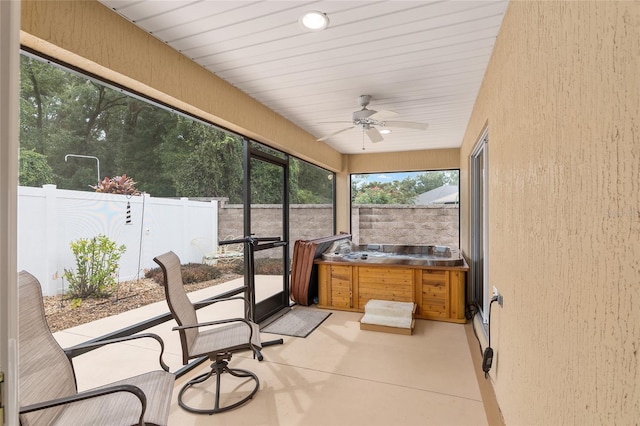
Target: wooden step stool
388	316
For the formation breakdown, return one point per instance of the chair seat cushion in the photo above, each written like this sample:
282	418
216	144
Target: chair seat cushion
227	338
123	408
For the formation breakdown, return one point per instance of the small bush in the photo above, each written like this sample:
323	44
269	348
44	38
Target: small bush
191	273
117	185
96	266
268	266
261	266
198	272
235	267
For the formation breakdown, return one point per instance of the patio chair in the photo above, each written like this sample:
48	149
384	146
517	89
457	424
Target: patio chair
217	343
47	390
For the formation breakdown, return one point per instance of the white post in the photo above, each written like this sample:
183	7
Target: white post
52	282
214	230
185	229
145	232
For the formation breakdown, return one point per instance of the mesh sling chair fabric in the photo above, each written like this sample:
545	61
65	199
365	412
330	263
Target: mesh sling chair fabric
217	343
47	390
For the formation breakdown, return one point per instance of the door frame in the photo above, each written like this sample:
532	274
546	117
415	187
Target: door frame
279	301
9	143
479	226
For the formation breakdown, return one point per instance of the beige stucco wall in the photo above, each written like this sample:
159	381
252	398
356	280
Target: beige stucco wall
432	159
561	99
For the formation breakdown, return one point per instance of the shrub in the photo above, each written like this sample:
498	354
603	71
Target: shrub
265	266
117	185
191	273
96	266
235	267
268	266
198	272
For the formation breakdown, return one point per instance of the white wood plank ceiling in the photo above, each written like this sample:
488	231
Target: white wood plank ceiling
423	60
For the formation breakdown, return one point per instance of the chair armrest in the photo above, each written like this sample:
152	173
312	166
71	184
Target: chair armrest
217	322
81	396
80	349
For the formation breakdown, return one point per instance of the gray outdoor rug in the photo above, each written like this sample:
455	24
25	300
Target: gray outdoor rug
298	322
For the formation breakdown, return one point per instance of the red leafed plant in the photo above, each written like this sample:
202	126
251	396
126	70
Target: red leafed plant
117	185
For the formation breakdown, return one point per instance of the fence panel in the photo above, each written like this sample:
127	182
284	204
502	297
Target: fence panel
49	219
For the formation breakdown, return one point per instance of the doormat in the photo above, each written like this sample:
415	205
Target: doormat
298	322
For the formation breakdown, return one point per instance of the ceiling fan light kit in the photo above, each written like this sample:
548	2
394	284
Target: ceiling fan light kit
368	120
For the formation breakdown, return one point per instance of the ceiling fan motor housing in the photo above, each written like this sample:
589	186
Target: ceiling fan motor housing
363	100
365	120
363	114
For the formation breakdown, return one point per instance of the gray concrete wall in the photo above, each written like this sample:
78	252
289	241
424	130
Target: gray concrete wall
406	224
378	224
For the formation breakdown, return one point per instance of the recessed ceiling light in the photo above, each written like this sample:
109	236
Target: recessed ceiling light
385	131
314	20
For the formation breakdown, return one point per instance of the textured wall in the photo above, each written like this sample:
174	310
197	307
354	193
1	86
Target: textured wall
432	159
416	225
406	224
306	221
561	102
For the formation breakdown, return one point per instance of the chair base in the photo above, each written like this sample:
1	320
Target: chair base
217	369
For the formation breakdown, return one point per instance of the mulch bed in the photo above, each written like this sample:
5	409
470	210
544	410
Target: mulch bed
61	313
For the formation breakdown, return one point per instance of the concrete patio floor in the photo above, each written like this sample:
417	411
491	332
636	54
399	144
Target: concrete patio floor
338	375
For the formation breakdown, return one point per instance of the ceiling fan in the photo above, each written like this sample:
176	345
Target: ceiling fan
369	120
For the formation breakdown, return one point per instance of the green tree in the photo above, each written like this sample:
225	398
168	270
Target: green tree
399	191
266	183
40	89
34	170
167	153
136	136
207	162
309	184
432	180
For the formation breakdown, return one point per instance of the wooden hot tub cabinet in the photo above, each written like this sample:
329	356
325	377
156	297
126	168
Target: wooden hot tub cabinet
438	291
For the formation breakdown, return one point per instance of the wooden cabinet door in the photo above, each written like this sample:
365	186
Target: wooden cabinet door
456	288
395	284
435	295
341	287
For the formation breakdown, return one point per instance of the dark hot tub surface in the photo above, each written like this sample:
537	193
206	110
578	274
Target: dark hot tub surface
347	251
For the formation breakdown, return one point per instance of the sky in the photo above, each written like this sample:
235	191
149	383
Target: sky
389	177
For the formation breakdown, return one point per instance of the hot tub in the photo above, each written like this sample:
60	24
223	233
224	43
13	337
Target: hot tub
392	254
432	277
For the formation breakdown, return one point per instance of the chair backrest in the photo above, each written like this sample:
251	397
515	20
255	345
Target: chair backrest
44	371
181	307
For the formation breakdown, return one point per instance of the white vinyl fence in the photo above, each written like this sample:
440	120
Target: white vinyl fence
50	219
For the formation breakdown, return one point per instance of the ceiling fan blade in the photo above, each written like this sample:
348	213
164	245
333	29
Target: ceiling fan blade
406	125
324	138
374	134
381	115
